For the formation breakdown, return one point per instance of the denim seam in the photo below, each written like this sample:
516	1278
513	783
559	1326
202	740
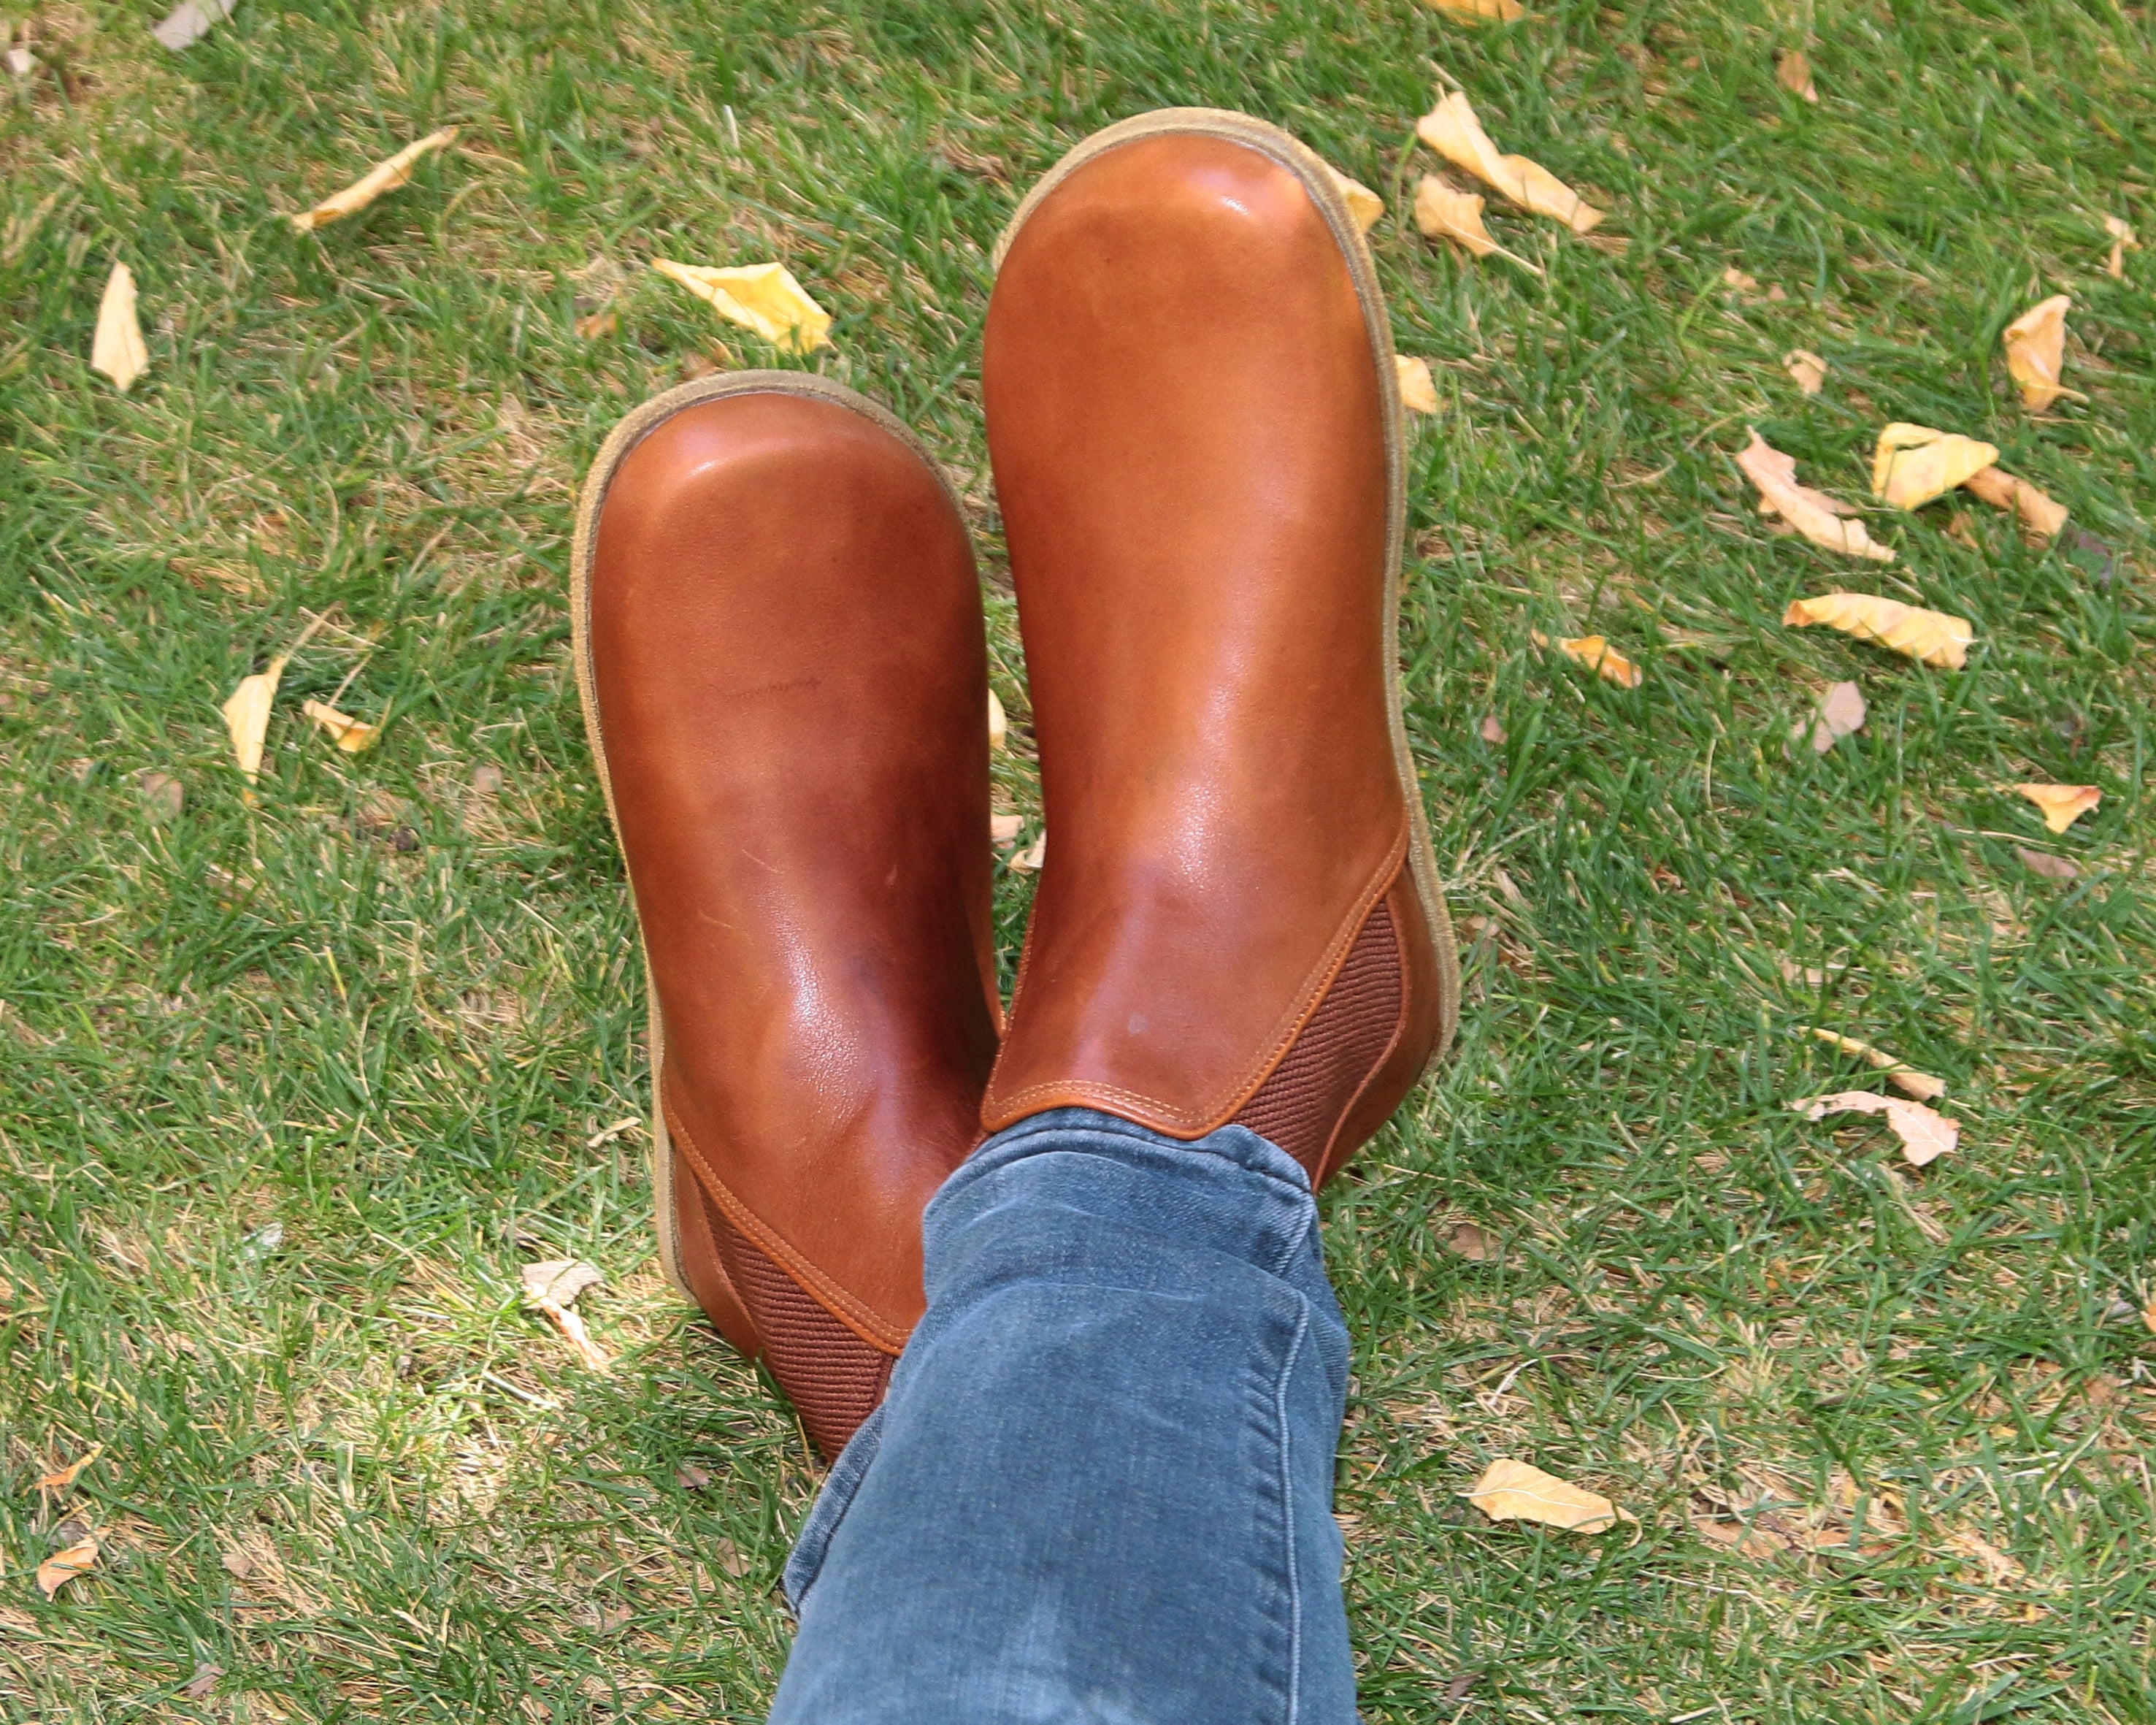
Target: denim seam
1287	1519
1295	1242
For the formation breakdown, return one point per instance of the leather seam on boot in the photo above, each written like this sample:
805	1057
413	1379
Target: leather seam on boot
819	1286
1197	1123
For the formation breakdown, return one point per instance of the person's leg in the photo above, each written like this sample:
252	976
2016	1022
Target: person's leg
1101	1488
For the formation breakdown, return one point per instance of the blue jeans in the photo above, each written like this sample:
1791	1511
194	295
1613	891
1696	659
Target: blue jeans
1102	1486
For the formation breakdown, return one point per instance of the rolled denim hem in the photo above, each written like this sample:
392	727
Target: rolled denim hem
1101	1486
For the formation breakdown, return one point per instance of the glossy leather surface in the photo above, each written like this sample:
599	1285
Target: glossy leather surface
786	653
1189	429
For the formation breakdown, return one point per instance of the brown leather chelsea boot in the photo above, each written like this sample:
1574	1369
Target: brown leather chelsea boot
780	650
1196	427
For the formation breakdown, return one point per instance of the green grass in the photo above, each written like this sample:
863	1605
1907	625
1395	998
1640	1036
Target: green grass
396	1050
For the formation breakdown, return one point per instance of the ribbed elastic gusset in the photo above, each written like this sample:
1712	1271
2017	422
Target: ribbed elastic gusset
834	1378
1298	1106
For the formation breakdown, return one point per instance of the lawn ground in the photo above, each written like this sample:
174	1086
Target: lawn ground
289	1090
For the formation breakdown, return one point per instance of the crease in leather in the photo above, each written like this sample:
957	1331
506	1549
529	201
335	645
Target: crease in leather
1194	1123
815	1282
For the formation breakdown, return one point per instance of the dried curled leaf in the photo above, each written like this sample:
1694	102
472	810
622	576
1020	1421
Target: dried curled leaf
61	1478
1496	12
2121	237
60	1569
1366	206
1033	857
1913	464
1900	1073
764	298
189	22
2040	514
1004	829
1418	389
1932	636
998	725
1511	1490
2045	864
560	1280
354	736
2062	805
1472	1242
1451	129
116	348
1815	515
199	1686
1596	655
1841	713
385	176
1807	367
2036	351
1793	73
1926	1134
551	1288
1442	211
247	714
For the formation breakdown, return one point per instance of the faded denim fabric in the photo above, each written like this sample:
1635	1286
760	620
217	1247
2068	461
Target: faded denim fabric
1102	1486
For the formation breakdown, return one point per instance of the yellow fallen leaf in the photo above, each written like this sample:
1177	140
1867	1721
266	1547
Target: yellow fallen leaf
1442	211
1793	73
999	726
1366	206
1518	1491
1932	636
2036	350
1807	367
1900	1073
1032	857
2062	804
1500	11
247	709
2121	236
116	348
353	735
60	1478
1926	1134
1445	212
1596	654
1815	515
1451	129
2148	1315
764	298
591	326
1913	464
60	1569
247	714
385	176
2042	515
1418	389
